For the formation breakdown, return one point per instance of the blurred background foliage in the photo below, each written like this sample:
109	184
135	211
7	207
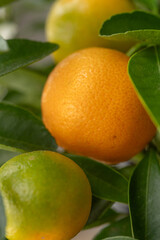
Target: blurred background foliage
25	19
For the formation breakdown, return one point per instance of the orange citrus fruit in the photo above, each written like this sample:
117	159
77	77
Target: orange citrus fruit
90	106
75	24
46	196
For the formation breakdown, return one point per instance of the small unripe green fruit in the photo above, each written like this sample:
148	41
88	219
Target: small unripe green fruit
75	24
46	196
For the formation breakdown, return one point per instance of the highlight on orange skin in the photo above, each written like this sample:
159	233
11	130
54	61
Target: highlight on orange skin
90	107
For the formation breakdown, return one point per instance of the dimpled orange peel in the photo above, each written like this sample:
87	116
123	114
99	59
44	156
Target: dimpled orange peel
90	107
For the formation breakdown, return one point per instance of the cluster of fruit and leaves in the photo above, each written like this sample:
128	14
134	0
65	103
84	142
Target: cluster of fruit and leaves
92	107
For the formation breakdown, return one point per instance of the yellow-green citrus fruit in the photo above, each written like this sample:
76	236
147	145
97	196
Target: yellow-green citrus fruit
91	108
75	24
46	196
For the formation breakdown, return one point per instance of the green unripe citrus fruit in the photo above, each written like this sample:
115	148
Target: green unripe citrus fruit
75	24
46	197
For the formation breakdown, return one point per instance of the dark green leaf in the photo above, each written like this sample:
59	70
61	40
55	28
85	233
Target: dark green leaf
22	53
144	195
145	74
2	219
3	45
136	26
119	238
98	207
21	131
100	213
18	86
107	217
156	141
121	227
127	171
5	2
106	182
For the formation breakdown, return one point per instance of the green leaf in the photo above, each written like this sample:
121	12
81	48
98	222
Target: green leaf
121	227
136	26
151	5
106	183
107	216
22	53
3	45
127	171
18	88
119	238
2	219
21	131
98	207
156	141
5	2
144	198
6	155
100	213
145	74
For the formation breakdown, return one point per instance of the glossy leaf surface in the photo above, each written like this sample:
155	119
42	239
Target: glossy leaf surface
106	183
21	131
121	227
23	52
144	72
136	26
144	198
